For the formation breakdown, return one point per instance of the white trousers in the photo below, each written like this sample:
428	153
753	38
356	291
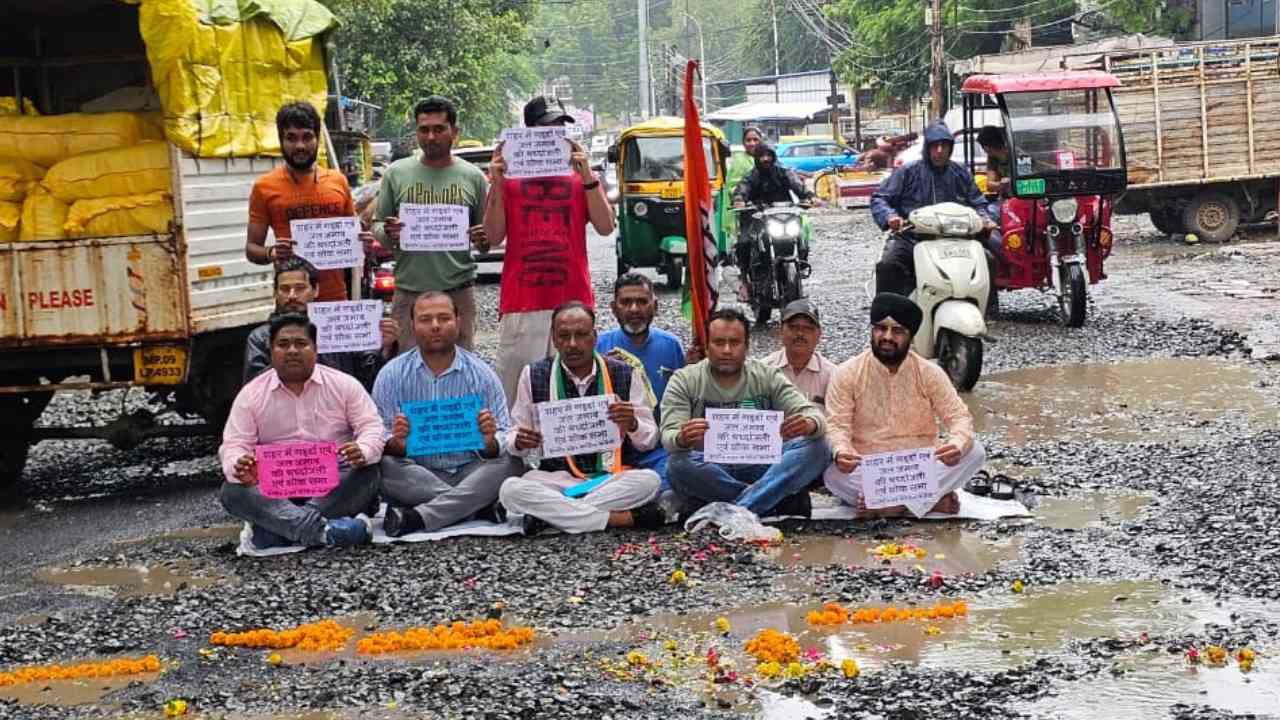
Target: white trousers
541	494
848	486
523	338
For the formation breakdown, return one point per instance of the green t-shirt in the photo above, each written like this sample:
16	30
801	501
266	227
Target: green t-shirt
409	181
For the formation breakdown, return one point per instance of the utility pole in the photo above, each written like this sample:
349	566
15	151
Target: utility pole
642	9
777	87
933	18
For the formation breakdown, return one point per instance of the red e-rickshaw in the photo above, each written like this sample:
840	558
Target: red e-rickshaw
1065	167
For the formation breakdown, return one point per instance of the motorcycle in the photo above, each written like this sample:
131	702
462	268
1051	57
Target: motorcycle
779	240
952	287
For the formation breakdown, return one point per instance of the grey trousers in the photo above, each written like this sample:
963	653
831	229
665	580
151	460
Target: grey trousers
300	521
444	498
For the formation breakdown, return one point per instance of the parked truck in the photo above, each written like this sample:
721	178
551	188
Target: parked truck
1202	131
167	310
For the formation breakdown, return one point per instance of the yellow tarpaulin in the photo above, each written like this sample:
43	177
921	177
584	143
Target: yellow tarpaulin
120	216
10	214
143	168
223	68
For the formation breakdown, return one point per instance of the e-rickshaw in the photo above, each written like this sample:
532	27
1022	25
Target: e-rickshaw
1065	167
651	222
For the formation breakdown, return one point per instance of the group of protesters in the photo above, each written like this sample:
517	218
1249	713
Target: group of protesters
550	349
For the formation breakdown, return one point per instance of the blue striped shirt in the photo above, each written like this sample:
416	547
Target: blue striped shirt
408	379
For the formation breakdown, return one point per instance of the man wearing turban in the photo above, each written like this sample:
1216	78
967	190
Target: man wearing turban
890	399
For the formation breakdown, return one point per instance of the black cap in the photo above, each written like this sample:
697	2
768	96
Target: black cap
801	307
540	112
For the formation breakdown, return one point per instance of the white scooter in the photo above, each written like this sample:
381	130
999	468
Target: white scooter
952	283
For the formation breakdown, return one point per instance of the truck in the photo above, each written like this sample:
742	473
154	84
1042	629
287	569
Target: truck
1201	127
168	312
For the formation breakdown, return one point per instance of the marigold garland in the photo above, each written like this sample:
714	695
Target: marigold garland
314	637
894	551
836	614
486	634
99	669
769	645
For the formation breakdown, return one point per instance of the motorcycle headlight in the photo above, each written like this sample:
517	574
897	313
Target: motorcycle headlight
775	229
640	209
1064	210
793	227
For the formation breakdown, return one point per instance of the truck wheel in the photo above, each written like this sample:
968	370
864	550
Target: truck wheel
961	358
18	413
215	377
1212	216
1167	219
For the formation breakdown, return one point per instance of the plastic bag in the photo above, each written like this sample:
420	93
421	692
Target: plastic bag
10	215
147	214
49	139
137	170
42	217
16	178
735	523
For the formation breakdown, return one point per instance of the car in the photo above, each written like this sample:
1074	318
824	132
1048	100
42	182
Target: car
813	156
916	149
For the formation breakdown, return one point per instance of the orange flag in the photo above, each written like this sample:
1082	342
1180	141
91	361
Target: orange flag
698	209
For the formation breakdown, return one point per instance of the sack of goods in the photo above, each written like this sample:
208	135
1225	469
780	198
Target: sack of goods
135	170
145	214
10	215
48	140
17	177
43	216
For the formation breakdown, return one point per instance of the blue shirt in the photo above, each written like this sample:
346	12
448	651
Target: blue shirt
408	379
661	355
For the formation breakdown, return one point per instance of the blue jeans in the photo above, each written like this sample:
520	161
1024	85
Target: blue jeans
303	521
758	488
656	460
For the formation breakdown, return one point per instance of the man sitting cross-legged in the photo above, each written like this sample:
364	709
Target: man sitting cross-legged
430	492
297	400
625	498
887	399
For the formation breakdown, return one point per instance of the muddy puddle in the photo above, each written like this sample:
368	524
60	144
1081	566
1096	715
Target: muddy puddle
950	550
126	581
1079	512
1122	402
68	693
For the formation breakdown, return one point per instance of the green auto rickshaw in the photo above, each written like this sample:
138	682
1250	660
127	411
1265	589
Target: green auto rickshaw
650	200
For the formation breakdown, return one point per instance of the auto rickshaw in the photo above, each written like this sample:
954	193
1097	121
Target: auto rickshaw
1065	167
650	201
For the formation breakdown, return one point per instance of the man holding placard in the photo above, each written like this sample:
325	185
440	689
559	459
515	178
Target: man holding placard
543	195
431	209
296	286
738	431
581	438
887	407
300	450
445	418
299	192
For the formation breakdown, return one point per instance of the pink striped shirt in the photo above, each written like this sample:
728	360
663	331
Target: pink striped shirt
333	407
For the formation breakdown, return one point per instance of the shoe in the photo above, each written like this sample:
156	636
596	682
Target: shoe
533	526
648	516
346	532
375	504
494	513
401	521
689	506
797	505
264	539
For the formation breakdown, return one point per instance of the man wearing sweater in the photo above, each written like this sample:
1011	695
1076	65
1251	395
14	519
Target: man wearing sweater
727	379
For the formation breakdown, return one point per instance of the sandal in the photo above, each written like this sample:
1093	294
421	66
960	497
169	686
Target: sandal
1003	487
979	484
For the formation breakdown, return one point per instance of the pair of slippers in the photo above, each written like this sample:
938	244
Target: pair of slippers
997	487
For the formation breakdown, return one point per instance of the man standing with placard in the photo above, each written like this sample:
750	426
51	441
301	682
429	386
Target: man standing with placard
296	286
443	462
889	399
593	490
298	190
728	379
299	401
409	207
543	221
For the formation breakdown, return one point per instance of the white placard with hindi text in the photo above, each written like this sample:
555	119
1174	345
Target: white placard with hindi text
745	437
436	227
328	243
346	326
902	477
536	152
577	427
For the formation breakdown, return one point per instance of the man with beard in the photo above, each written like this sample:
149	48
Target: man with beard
298	400
431	492
435	178
887	399
799	359
298	190
296	286
728	379
636	342
582	493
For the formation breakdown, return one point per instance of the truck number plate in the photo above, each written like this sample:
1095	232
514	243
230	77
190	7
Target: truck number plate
160	365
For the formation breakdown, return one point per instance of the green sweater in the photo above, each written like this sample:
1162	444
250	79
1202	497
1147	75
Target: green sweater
692	389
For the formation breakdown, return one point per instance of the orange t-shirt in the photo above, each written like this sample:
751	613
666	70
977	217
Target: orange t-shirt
277	198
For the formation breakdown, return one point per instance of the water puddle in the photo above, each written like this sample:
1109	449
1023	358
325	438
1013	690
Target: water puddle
1123	402
1090	510
68	693
112	582
948	549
